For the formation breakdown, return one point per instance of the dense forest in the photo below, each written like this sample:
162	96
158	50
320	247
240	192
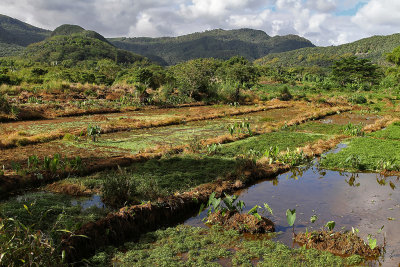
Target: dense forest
222	44
373	48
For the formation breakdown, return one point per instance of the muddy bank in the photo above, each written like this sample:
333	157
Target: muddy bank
338	243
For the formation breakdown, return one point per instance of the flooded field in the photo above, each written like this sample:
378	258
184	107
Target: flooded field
366	201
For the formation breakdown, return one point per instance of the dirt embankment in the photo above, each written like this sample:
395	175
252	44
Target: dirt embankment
338	243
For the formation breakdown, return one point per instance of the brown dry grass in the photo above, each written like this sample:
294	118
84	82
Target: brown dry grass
380	124
338	243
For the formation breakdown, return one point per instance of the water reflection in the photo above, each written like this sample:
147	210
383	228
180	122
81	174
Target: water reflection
361	200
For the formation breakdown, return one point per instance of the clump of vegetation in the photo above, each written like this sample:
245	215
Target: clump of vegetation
5	107
357	99
21	245
285	94
353	129
238	128
192	246
94	132
120	189
230	215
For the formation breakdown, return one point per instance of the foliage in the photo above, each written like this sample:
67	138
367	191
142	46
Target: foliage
4	105
291	216
215	204
94	132
119	190
237	128
353	129
352	70
220	44
21	245
330	225
373	48
285	94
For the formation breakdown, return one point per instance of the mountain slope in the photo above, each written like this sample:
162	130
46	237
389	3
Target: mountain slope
13	31
73	43
373	48
222	44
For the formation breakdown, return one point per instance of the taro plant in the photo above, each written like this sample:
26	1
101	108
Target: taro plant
213	149
291	217
229	201
330	225
238	128
353	129
254	211
33	162
94	132
313	218
272	154
371	242
293	158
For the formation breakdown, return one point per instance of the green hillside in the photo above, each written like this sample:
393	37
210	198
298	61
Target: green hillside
222	44
13	31
73	43
373	48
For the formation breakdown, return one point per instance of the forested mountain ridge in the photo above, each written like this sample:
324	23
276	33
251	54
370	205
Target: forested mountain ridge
13	31
72	43
222	44
374	48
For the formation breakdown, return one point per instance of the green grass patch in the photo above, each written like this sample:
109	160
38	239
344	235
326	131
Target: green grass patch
162	177
318	128
49	212
392	132
258	144
365	153
192	246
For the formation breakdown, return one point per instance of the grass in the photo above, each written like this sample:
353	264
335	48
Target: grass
392	132
319	128
161	177
192	246
364	153
258	144
48	212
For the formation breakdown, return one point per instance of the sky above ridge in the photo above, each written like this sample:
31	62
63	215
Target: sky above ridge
324	22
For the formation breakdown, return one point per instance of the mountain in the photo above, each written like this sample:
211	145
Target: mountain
219	43
373	48
15	34
73	43
13	31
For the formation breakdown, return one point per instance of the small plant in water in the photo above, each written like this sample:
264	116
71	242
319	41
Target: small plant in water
291	217
313	218
330	225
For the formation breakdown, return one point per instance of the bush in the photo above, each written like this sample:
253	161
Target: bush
357	99
4	105
119	190
285	94
22	246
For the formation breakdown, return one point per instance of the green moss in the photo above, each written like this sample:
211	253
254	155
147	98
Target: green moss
192	246
282	139
364	153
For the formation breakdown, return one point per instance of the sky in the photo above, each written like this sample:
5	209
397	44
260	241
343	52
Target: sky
324	22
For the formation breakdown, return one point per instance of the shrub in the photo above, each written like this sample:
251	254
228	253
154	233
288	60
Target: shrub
21	245
285	94
119	190
4	105
357	99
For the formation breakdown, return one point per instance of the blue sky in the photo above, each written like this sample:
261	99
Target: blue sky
324	22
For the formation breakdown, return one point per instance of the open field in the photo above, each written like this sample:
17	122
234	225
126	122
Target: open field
174	157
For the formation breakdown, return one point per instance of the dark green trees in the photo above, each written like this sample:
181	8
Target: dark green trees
353	70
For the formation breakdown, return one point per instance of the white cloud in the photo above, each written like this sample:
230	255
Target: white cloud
378	16
313	19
